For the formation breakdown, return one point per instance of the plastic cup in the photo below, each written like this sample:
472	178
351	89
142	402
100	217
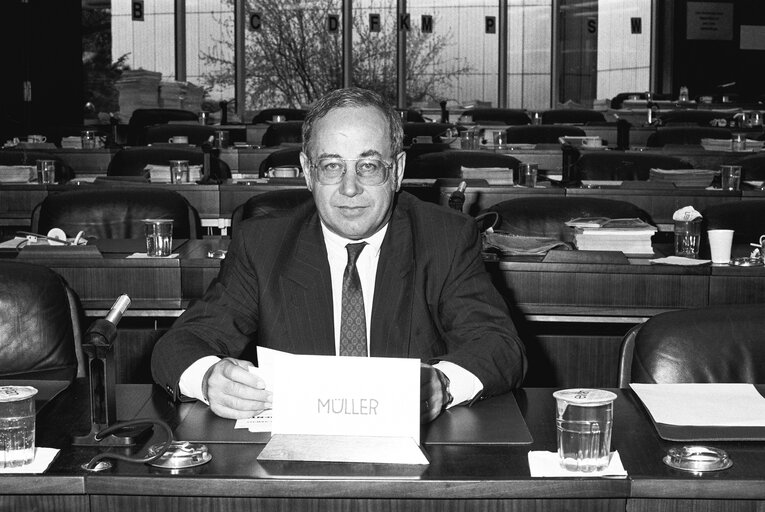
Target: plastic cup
720	243
687	238
179	171
584	422
731	177
159	237
17	425
527	174
46	171
88	138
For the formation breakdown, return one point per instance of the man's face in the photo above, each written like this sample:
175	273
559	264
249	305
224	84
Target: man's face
349	208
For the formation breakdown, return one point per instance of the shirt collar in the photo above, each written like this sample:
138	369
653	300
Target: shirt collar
339	242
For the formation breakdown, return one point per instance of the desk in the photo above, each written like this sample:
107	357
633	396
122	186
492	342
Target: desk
459	477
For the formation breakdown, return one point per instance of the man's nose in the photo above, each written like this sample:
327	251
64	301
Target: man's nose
350	185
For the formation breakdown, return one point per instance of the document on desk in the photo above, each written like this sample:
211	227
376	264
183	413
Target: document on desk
704	411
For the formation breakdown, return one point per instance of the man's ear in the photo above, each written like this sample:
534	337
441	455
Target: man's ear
400	164
304	163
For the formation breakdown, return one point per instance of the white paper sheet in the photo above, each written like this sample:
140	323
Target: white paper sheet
713	405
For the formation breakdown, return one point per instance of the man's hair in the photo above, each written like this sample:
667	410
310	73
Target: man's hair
355	97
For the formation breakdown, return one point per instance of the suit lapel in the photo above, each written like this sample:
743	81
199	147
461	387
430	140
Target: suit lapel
307	291
394	282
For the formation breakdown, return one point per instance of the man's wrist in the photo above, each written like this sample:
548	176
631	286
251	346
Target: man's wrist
445	383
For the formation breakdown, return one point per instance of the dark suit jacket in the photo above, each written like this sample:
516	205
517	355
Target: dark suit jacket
433	298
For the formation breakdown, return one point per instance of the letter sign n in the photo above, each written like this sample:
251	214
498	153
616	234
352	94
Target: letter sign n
137	10
374	22
491	24
255	21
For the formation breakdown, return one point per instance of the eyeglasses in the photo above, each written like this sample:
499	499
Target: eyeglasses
369	171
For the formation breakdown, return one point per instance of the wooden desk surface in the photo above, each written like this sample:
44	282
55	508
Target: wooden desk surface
459	477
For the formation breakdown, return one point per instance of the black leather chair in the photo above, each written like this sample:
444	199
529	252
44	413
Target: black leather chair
64	172
132	161
572	116
436	131
40	320
684	135
542	134
449	163
622	166
281	133
197	134
269	203
290	114
497	116
411	116
286	156
115	212
545	216
713	344
753	167
746	218
618	100
143	117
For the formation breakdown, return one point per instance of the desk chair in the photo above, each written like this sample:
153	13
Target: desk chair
545	216
753	167
572	116
286	156
685	135
40	318
411	116
280	133
132	161
14	156
143	117
542	134
269	204
115	212
703	345
497	116
449	163
617	101
746	218
198	134
290	114
622	166
436	131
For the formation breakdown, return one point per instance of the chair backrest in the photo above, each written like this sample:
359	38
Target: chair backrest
40	335
132	161
685	135
197	134
143	117
450	163
713	344
290	114
499	116
115	212
746	218
286	156
572	116
436	131
619	165
26	157
545	216
280	133
269	203
753	167
410	115
707	118
542	134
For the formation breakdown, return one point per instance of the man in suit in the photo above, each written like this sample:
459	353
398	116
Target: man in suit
360	258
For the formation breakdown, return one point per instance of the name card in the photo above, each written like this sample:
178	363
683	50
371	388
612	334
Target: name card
350	409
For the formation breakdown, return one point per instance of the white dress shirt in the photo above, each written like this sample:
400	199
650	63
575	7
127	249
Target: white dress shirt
463	385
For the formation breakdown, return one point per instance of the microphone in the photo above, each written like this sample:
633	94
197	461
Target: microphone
103	331
457	199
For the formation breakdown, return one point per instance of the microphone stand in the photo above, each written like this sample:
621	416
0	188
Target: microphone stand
457	198
97	345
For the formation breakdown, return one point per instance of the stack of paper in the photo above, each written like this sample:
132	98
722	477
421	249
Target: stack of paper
71	142
17	173
701	178
630	236
137	89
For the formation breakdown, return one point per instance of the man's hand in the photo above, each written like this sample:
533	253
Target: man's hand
434	393
233	391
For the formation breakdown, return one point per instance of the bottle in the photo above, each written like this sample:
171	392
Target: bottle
444	112
683	95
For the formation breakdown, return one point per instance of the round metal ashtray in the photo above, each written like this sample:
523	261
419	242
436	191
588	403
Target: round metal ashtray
746	262
180	454
697	459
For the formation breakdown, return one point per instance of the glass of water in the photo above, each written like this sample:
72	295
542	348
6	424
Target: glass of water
584	422
159	237
17	425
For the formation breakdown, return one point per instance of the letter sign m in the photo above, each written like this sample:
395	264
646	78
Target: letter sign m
427	24
637	25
